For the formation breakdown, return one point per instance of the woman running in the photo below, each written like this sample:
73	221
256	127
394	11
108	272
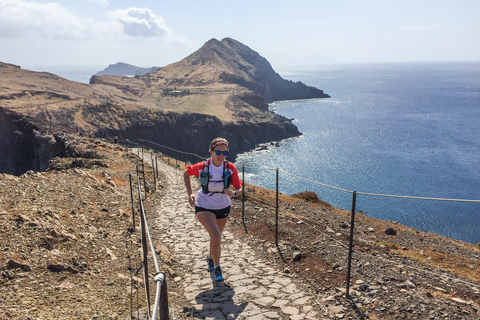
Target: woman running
212	202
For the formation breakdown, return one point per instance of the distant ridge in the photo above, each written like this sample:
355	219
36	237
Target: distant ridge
125	69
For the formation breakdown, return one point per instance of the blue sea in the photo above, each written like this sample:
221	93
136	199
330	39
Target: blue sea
73	73
395	129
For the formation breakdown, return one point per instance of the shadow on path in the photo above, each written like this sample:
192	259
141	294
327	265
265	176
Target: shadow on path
217	303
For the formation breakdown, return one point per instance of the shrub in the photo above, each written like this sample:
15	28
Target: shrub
389	245
308	196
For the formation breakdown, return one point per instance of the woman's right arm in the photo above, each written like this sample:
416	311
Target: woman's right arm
188	186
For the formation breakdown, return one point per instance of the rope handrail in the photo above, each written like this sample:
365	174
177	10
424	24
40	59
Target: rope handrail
260	168
326	185
322	184
172	149
340	243
420	198
159	277
379	194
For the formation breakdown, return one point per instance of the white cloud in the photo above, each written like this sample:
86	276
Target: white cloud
25	19
140	22
19	18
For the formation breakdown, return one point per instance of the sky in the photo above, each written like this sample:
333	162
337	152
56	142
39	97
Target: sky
149	33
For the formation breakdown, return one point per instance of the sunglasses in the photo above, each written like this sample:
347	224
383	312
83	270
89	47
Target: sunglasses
218	152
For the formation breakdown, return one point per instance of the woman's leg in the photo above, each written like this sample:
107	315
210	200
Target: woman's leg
214	228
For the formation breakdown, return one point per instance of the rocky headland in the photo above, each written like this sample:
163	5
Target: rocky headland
125	69
222	89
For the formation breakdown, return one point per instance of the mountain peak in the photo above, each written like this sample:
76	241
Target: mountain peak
230	61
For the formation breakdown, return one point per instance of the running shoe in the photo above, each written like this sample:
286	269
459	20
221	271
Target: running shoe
210	263
218	274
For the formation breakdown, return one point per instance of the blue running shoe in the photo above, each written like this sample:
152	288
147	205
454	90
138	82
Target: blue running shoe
210	263
218	274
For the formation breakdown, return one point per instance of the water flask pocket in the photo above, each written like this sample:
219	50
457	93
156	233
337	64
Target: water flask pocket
204	181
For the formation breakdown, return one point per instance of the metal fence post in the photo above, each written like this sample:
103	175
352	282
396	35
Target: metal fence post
131	199
143	174
350	247
144	247
243	195
154	175
276	210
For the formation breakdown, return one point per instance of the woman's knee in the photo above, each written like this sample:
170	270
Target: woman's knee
215	237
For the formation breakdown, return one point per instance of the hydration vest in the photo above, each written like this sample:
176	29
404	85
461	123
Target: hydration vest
205	177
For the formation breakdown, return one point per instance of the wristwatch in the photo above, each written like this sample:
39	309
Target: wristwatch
234	193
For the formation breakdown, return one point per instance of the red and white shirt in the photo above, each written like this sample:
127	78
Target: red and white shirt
218	199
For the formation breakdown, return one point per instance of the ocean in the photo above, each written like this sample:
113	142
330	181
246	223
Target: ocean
74	73
396	129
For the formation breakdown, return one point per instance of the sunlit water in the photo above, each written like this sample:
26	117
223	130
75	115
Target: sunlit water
406	129
73	73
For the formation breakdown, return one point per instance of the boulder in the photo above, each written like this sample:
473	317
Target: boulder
390	231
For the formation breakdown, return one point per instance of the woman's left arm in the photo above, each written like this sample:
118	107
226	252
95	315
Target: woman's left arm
237	184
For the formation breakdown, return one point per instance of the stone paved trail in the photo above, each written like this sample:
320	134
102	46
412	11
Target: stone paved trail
252	289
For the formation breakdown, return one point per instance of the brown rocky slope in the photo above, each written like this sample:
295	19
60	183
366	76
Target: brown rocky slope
67	251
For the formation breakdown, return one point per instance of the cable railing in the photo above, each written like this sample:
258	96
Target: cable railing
160	306
277	210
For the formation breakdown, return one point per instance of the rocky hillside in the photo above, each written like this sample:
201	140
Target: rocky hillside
220	90
68	251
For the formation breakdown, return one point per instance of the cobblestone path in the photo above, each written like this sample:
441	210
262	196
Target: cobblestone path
252	289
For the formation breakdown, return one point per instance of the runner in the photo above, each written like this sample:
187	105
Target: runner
212	202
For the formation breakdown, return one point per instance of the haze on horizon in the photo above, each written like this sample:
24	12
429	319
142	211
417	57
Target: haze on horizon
156	33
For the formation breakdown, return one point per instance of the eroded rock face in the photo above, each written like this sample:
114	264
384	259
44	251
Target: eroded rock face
21	146
24	148
193	132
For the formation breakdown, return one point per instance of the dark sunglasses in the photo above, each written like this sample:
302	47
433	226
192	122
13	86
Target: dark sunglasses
218	152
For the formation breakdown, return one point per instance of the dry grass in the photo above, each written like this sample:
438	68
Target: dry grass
467	268
390	245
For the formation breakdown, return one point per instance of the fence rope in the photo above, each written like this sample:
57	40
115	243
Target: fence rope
172	149
420	198
379	194
338	242
319	183
159	278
